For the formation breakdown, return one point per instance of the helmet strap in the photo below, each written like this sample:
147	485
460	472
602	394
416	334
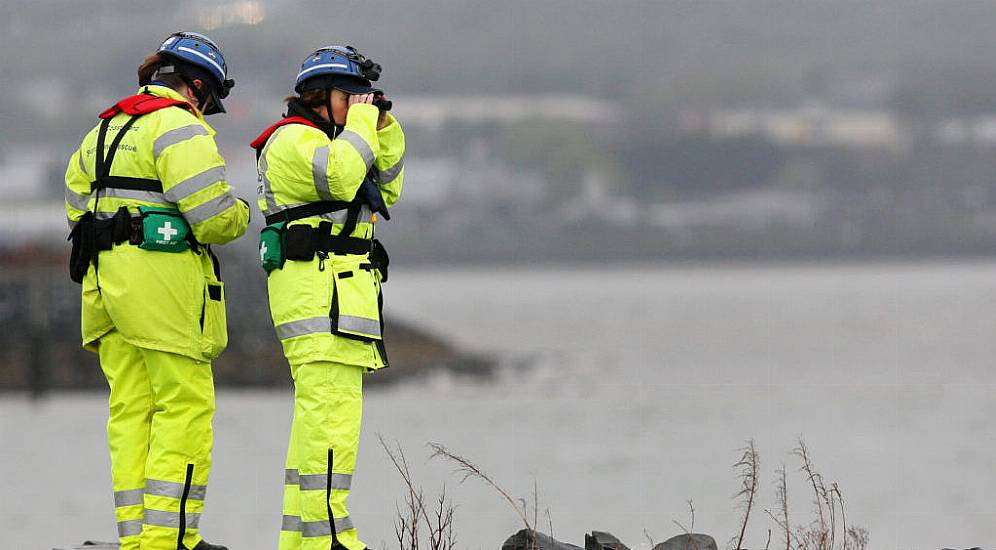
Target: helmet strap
328	105
201	95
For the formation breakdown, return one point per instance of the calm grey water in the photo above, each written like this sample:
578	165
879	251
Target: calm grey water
642	384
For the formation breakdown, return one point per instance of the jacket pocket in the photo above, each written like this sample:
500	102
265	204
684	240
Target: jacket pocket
356	302
214	323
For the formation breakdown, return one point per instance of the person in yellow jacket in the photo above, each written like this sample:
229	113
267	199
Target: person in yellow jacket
326	171
146	197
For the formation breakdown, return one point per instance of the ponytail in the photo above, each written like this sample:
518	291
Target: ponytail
309	98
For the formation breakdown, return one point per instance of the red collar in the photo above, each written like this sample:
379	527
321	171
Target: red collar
261	140
141	104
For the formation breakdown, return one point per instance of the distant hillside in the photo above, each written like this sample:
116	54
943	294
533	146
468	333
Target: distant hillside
622	47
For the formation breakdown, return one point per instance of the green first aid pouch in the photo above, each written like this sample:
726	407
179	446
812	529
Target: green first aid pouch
164	229
271	246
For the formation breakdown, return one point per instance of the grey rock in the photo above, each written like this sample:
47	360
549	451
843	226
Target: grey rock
688	541
600	540
534	540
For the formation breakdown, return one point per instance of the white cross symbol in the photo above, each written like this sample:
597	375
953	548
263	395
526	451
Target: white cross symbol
167	231
262	251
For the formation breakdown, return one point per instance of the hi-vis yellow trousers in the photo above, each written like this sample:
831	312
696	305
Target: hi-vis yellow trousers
160	437
321	457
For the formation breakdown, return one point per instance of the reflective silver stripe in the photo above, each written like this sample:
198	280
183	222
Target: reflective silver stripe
147	196
319	171
267	189
128	498
195	183
130	528
177	135
79	156
291	523
322	66
360	144
72	223
171	519
172	489
342	482
76	200
291	477
390	174
360	325
343	524
314	528
314	482
365	213
310	482
209	209
311	325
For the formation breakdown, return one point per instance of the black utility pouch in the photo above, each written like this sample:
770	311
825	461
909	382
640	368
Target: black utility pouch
298	243
82	251
380	259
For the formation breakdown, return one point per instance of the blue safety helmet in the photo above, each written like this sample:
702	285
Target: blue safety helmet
196	56
339	67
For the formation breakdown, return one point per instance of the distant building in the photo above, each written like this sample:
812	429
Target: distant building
809	125
436	111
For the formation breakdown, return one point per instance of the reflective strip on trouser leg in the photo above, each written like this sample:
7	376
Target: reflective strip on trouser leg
328	405
180	450
313	529
128	431
290	532
317	481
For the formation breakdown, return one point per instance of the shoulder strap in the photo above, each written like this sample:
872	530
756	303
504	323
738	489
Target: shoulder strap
311	209
104	162
103	178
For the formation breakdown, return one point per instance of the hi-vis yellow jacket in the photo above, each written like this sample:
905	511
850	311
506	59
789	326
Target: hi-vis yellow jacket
166	301
320	307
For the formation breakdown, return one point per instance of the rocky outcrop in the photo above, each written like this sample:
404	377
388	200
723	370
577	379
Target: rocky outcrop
600	540
688	541
534	540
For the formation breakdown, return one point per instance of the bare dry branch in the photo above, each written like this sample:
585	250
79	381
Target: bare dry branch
650	539
819	489
415	517
470	470
843	518
749	466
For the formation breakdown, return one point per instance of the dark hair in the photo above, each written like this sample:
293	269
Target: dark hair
147	70
309	98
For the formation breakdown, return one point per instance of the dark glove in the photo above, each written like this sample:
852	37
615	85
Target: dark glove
370	194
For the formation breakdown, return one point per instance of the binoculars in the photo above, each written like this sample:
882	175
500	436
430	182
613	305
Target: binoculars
380	102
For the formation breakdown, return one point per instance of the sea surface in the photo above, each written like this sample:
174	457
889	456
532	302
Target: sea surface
624	392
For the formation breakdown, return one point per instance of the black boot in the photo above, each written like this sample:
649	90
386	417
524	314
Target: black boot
205	545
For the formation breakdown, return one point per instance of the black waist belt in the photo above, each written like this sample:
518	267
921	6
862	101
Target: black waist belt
91	235
312	209
343	245
303	241
122	227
